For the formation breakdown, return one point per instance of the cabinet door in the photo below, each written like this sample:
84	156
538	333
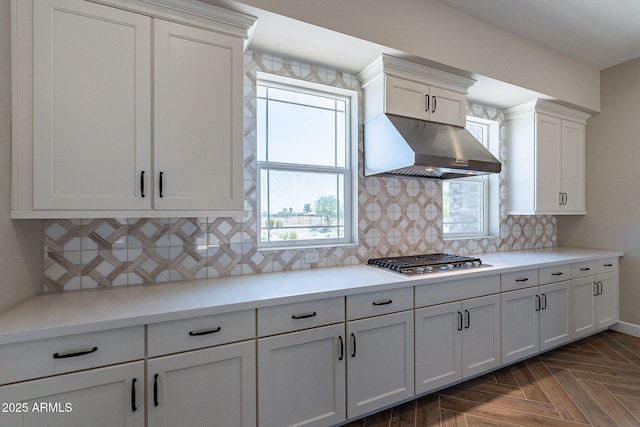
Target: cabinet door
212	387
573	174
406	98
548	134
104	397
91	106
438	341
520	312
583	313
555	326
448	107
301	378
380	354
480	335
197	119
606	301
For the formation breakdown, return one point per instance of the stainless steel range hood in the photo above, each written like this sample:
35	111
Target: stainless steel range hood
412	148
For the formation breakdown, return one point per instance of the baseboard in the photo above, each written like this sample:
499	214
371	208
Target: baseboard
627	328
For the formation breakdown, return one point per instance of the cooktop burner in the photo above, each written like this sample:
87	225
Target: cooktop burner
428	263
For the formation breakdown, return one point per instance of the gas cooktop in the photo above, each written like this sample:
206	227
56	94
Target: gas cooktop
427	263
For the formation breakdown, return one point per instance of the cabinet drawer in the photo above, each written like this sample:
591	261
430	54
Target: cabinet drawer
456	290
380	302
554	274
300	315
582	269
52	356
200	332
518	280
607	265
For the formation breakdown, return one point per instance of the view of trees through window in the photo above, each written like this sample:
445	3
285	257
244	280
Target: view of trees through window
303	162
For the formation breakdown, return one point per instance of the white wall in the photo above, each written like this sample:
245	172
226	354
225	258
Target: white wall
612	182
20	241
437	32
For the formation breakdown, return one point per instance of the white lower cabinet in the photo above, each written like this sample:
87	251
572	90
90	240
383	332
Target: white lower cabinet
593	303
301	378
534	319
456	340
380	362
210	387
102	397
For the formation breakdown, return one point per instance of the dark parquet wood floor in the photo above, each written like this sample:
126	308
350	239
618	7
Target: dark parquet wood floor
591	382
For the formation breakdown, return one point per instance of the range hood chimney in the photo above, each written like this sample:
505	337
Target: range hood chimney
413	148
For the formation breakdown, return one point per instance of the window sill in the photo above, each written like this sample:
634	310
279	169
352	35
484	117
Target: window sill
306	247
451	238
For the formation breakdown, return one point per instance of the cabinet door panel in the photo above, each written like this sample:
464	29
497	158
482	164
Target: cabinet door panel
606	302
548	134
212	387
95	398
438	346
301	378
380	354
572	180
197	138
555	326
448	107
92	73
406	98
481	339
583	314
520	337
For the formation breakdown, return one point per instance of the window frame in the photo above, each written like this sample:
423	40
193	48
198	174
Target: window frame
490	183
349	171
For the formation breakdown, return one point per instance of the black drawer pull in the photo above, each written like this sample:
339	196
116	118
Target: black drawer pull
382	302
353	353
585	269
160	184
341	348
557	274
538	303
459	321
142	184
523	279
74	354
467	323
205	332
304	316
134	408
608	265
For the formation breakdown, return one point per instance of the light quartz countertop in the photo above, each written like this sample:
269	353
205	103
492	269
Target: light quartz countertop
76	312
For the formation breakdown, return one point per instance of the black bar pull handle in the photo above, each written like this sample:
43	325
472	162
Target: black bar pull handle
433	104
600	290
468	319
353	338
585	269
205	332
142	184
595	289
134	408
522	279
538	303
74	353
341	348
426	101
304	316
607	265
155	390
544	302
559	273
459	321
160	184
387	302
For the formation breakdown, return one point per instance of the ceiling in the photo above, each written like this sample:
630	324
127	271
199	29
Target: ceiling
600	33
596	32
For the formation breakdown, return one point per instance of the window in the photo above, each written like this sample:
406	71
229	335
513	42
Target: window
305	171
470	204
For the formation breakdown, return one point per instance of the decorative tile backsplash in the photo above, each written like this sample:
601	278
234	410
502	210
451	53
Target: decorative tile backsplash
395	217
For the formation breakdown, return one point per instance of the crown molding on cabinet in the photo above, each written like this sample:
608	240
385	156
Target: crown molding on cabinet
546	107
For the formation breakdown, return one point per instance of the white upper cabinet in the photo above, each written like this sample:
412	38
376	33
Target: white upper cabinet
91	106
123	113
546	152
407	89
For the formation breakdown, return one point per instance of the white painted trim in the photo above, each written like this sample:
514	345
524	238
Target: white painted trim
626	328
